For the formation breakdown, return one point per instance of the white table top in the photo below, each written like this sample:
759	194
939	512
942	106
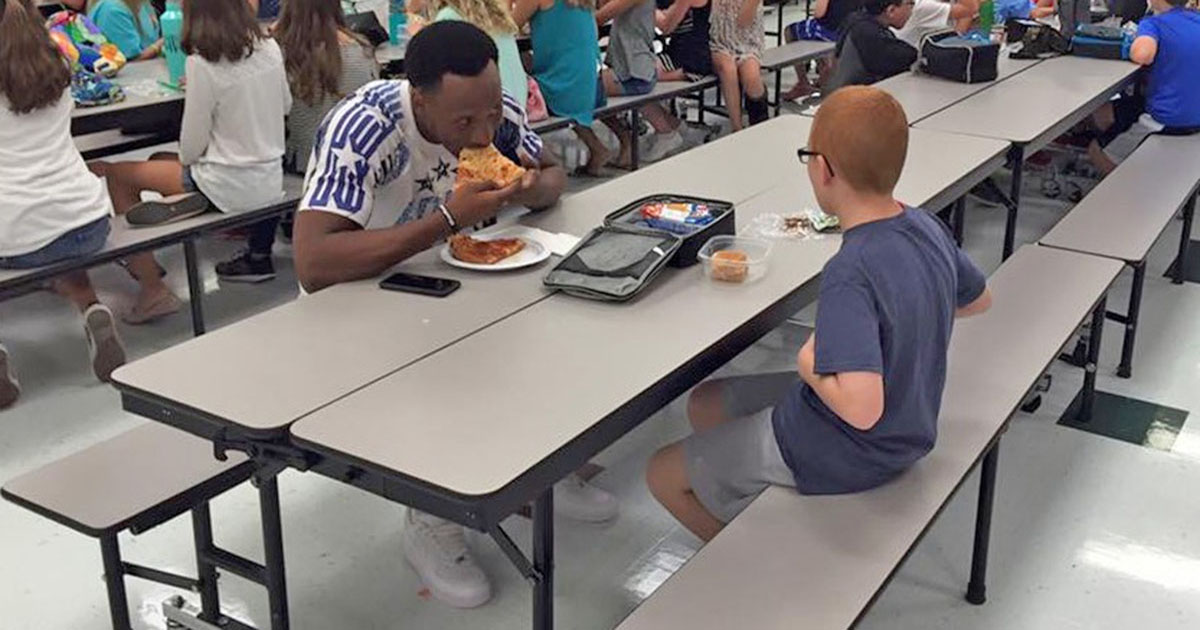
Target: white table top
1034	101
923	95
548	374
265	372
142	88
817	560
389	52
1128	211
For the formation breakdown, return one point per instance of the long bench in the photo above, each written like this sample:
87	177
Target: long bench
137	481
1127	213
819	562
124	241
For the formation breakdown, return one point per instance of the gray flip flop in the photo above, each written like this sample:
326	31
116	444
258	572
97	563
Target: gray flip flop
167	209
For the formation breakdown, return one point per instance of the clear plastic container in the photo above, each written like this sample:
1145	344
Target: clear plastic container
732	268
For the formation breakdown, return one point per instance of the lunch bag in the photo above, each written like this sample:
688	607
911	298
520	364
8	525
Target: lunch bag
1037	40
1101	42
966	59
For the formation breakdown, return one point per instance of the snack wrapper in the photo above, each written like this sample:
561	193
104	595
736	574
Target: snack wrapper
678	218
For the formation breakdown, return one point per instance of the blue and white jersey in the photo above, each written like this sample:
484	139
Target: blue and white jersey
371	165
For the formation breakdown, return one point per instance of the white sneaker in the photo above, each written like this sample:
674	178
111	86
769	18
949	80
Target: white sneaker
664	144
10	388
104	345
437	550
579	500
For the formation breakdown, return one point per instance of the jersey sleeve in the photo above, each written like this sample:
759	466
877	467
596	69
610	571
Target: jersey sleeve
1148	27
515	138
346	158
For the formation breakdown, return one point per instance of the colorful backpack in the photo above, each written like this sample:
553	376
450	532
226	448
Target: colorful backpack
82	43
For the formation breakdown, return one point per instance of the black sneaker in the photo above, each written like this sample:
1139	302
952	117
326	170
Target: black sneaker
246	267
167	209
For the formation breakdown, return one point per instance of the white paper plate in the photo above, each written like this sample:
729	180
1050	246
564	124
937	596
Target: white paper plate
534	252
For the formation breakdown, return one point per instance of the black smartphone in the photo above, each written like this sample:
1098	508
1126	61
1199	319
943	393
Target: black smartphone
424	285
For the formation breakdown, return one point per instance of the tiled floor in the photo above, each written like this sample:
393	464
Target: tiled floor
1090	532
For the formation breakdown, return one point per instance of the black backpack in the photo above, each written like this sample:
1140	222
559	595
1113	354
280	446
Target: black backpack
948	55
1038	41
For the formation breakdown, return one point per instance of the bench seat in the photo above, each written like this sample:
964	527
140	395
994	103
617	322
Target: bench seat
818	562
131	482
1126	214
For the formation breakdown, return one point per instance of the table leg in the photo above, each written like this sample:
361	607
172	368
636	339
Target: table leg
1125	370
1189	214
634	122
195	289
206	571
114	581
272	526
977	588
1017	158
1087	397
960	219
543	561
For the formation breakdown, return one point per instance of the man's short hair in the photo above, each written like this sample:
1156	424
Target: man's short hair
449	47
863	133
878	7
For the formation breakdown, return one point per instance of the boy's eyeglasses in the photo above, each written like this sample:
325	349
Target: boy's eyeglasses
806	156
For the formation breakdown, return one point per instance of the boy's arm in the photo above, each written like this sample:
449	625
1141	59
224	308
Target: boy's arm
523	11
667	21
973	296
856	397
820	8
980	305
962	15
1145	46
881	54
613	8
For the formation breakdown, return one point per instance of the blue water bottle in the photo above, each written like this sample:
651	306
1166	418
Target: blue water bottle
397	22
172	29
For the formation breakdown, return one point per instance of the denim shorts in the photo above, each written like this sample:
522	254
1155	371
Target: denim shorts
189	184
79	242
636	87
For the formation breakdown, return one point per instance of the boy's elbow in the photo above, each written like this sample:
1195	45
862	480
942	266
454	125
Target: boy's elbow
981	305
865	416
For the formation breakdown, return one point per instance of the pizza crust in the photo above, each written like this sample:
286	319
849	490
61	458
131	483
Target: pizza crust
487	165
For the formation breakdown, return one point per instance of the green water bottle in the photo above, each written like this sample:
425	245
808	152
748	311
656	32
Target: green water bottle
987	16
172	30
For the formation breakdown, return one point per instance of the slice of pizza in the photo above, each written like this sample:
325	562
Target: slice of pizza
487	165
479	252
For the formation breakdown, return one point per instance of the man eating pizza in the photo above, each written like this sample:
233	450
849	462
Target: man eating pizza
382	187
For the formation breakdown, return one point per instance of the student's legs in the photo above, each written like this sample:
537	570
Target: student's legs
750	76
667	477
105	349
76	287
659	118
726	71
598	154
612	87
126	181
803	86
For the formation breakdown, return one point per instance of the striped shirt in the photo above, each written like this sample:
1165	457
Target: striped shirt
371	165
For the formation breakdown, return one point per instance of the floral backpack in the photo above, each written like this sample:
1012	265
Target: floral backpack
81	42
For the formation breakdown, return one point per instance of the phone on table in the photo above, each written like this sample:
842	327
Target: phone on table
424	285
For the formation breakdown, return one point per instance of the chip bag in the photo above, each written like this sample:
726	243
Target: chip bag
82	43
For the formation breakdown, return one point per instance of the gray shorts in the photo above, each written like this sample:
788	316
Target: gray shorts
730	464
1124	145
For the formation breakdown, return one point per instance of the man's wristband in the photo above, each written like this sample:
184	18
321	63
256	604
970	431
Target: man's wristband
451	223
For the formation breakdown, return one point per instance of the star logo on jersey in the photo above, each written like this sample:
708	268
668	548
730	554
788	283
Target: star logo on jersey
442	170
425	184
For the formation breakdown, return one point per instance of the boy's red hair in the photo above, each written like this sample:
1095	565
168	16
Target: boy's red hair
863	133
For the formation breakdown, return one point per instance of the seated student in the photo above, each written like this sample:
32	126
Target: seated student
933	16
132	25
566	52
868	50
687	55
737	46
863	405
325	61
51	208
826	22
372	202
231	141
1169	43
633	71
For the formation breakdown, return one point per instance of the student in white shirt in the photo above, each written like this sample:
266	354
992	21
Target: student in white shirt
231	142
931	16
51	208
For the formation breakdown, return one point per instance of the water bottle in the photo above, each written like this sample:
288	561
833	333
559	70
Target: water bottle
172	30
987	16
397	22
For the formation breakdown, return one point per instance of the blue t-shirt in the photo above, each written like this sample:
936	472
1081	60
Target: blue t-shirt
117	23
1173	97
887	305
